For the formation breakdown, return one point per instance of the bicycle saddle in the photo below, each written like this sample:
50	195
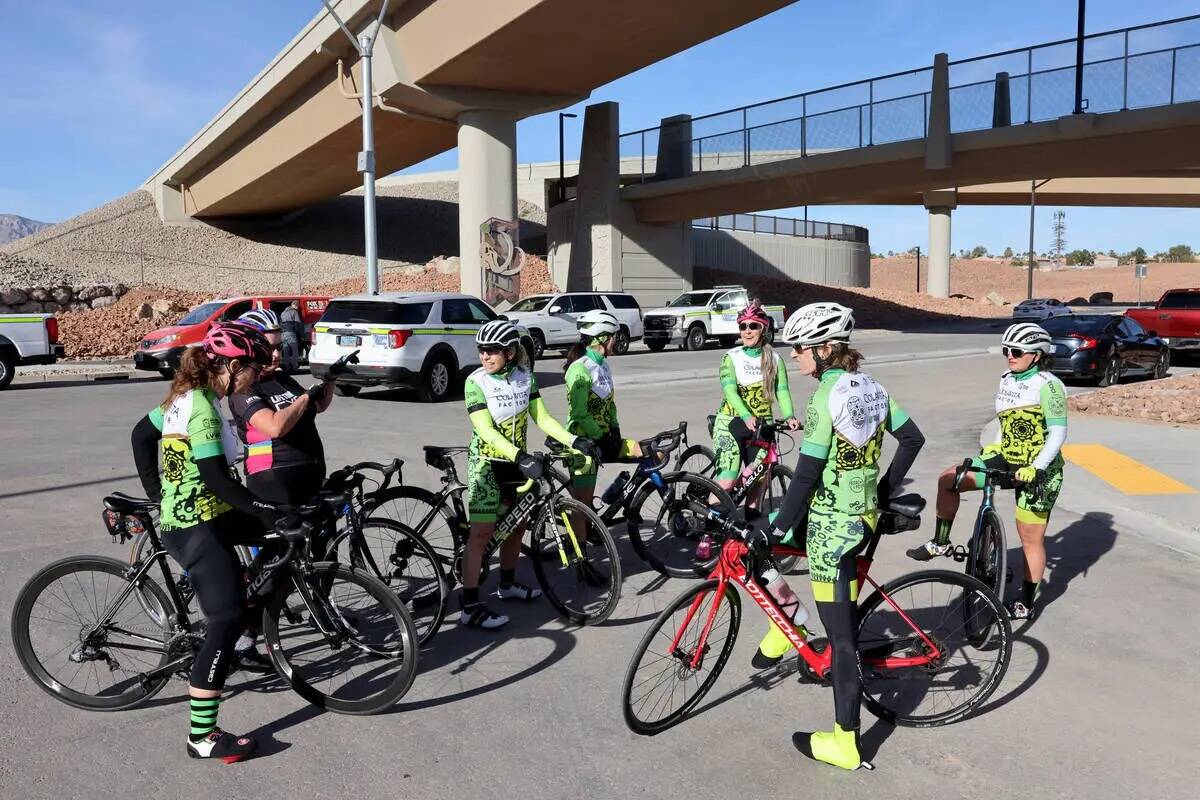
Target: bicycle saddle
122	503
907	505
434	455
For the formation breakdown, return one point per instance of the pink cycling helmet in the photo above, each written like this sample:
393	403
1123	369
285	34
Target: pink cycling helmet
754	313
230	340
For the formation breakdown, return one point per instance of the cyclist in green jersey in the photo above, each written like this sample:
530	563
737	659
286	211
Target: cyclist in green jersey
1031	405
205	513
753	377
591	400
837	486
501	396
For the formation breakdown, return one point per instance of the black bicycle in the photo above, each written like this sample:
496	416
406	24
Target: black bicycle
337	635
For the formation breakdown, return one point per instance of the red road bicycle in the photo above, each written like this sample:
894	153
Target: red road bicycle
920	664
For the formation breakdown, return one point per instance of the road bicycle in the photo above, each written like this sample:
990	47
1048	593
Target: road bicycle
335	634
920	665
580	575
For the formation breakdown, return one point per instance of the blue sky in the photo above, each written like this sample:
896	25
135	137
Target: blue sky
95	95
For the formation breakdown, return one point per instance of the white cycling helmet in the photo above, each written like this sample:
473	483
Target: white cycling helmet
1027	336
498	333
598	323
263	319
817	323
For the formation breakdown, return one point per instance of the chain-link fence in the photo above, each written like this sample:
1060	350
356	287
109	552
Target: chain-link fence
1139	67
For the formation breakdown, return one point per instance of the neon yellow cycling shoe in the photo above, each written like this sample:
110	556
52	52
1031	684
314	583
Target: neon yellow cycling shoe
838	747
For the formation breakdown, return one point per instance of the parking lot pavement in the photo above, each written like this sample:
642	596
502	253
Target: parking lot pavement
1095	703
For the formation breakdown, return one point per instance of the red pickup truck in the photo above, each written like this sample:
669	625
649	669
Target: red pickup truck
1175	318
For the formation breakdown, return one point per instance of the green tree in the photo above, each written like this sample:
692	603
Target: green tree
978	251
1138	255
1081	258
1180	253
1008	252
1017	261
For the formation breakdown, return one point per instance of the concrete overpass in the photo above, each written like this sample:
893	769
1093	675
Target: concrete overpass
453	72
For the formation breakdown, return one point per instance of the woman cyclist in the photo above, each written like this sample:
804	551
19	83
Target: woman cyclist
591	399
501	396
837	484
205	513
1031	405
276	421
753	377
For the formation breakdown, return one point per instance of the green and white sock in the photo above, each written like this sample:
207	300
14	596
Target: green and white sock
204	716
942	531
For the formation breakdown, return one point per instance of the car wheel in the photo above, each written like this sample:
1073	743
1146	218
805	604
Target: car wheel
1163	364
621	342
539	343
346	389
695	338
1112	371
436	379
656	345
8	368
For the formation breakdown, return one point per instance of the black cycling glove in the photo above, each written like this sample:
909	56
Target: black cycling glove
530	467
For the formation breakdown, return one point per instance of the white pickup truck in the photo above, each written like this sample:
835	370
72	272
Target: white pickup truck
27	339
692	318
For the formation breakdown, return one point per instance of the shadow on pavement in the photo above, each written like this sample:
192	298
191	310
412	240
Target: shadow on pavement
1033	662
1070	553
63	486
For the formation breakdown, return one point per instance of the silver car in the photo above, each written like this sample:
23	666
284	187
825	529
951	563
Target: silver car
1037	310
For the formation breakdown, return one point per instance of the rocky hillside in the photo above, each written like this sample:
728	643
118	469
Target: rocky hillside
13	227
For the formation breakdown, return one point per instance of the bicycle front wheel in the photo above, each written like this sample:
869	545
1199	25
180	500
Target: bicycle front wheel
584	585
680	656
419	510
697	460
666	523
341	639
921	666
986	561
772	501
88	638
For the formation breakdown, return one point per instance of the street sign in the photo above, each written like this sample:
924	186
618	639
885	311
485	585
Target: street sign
1139	270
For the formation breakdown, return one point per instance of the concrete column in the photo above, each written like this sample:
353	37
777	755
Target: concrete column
939	148
938	282
674	158
595	263
487	184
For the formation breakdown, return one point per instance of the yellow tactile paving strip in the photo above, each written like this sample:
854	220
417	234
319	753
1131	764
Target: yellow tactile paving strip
1125	474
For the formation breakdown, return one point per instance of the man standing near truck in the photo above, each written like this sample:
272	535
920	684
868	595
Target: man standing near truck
293	334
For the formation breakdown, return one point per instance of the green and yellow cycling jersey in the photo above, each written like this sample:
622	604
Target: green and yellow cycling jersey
192	428
500	406
591	397
742	385
1028	405
844	426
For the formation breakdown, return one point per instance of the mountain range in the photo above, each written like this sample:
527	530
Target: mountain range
13	227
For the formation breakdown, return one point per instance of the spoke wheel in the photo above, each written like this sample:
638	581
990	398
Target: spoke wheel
698	460
365	663
949	687
986	562
417	510
661	683
666	525
584	590
60	641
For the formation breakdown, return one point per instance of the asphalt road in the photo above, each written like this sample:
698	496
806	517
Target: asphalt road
1098	701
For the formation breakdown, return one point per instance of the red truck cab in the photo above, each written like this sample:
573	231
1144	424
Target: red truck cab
1175	318
160	350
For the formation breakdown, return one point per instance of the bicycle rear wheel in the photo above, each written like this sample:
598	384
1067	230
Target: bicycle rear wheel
665	524
409	566
939	690
412	505
81	645
366	658
661	684
697	460
986	561
584	590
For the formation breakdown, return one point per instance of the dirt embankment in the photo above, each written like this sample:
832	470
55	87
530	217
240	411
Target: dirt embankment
1174	400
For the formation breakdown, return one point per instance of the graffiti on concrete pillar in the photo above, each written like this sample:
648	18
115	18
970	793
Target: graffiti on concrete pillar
501	260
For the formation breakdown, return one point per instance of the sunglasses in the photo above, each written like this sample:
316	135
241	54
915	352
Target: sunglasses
601	339
1014	352
489	350
278	348
749	326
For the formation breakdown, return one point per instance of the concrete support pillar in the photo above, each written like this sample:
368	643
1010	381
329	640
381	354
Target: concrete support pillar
1001	102
674	157
595	248
939	149
487	184
938	282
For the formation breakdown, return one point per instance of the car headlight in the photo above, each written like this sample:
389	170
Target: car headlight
168	339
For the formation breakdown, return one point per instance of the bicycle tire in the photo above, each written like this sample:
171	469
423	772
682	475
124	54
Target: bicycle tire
400	645
409	505
669	546
573	574
408	565
139	691
663	631
781	479
986	562
888	692
697	460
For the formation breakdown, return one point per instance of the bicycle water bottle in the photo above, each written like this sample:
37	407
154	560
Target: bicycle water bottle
778	587
614	491
704	548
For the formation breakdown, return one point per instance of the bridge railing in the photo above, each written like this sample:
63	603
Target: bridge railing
784	226
1156	64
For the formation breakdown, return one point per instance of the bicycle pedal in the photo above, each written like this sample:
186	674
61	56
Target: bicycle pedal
958	553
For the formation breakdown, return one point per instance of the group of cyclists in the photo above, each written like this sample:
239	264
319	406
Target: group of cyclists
831	506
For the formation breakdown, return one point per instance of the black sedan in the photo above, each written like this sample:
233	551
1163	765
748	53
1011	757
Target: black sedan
1105	347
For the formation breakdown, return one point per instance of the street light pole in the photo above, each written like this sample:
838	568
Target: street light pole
365	45
562	188
1079	57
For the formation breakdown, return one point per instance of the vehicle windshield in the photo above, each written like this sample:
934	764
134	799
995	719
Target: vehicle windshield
691	299
1080	323
535	303
200	313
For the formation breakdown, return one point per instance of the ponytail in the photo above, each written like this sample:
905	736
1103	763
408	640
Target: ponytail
769	370
576	351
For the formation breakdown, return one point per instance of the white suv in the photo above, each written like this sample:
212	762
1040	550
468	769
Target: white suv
550	318
416	340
